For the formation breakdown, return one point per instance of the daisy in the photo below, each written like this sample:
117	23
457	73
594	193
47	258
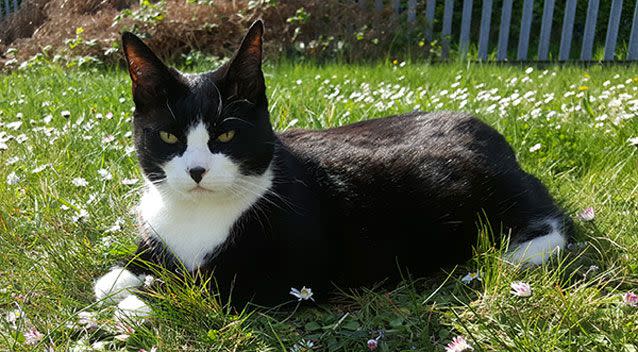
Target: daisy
303	295
521	289
535	147
80	215
14	125
13	316
40	168
129	181
458	344
105	174
79	182
588	214
108	139
87	320
99	345
630	299
153	349
32	336
303	345
373	344
469	277
12	178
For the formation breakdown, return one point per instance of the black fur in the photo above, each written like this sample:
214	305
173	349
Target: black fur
349	206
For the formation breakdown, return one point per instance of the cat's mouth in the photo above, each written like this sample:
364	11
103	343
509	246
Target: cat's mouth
199	189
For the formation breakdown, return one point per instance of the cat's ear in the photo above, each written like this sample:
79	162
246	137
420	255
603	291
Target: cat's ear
244	78
152	80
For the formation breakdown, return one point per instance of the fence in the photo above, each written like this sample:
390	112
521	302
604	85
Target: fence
502	52
7	7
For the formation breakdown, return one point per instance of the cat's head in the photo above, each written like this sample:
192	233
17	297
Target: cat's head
201	135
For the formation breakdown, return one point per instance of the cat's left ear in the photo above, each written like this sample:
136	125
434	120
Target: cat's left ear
244	78
153	82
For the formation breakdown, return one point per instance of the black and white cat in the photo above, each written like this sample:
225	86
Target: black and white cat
351	206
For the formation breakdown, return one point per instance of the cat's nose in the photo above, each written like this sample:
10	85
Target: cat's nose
197	173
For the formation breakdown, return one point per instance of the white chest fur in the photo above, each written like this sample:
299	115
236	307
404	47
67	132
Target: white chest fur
193	228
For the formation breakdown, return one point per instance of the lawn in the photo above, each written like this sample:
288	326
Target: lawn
70	181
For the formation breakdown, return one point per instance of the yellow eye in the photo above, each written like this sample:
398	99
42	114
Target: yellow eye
226	137
168	137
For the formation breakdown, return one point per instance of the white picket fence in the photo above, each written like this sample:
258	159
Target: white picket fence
7	7
587	46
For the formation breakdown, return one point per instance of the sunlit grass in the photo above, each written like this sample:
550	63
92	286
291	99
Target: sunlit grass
570	126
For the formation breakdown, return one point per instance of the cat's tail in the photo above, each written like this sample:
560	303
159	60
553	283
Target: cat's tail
544	239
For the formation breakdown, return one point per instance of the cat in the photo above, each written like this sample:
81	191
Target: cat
345	207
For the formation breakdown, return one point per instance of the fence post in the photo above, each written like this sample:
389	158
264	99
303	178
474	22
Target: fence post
590	30
396	6
378	5
484	35
526	26
504	31
447	27
612	29
633	37
7	9
568	30
430	6
466	21
546	30
411	11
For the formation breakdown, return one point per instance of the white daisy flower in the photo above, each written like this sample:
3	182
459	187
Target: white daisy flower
458	344
80	215
12	179
105	174
469	277
521	289
33	336
40	168
12	160
535	147
87	320
79	182
303	295
588	214
129	181
14	125
108	139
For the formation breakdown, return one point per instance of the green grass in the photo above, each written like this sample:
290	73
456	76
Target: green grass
49	258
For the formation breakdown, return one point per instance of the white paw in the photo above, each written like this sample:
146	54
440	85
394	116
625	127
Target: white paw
132	308
115	285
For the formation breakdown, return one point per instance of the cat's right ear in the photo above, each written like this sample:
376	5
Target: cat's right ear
152	80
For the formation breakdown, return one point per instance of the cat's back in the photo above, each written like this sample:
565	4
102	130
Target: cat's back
399	143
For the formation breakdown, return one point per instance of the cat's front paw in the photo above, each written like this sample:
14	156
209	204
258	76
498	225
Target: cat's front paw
132	308
116	285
